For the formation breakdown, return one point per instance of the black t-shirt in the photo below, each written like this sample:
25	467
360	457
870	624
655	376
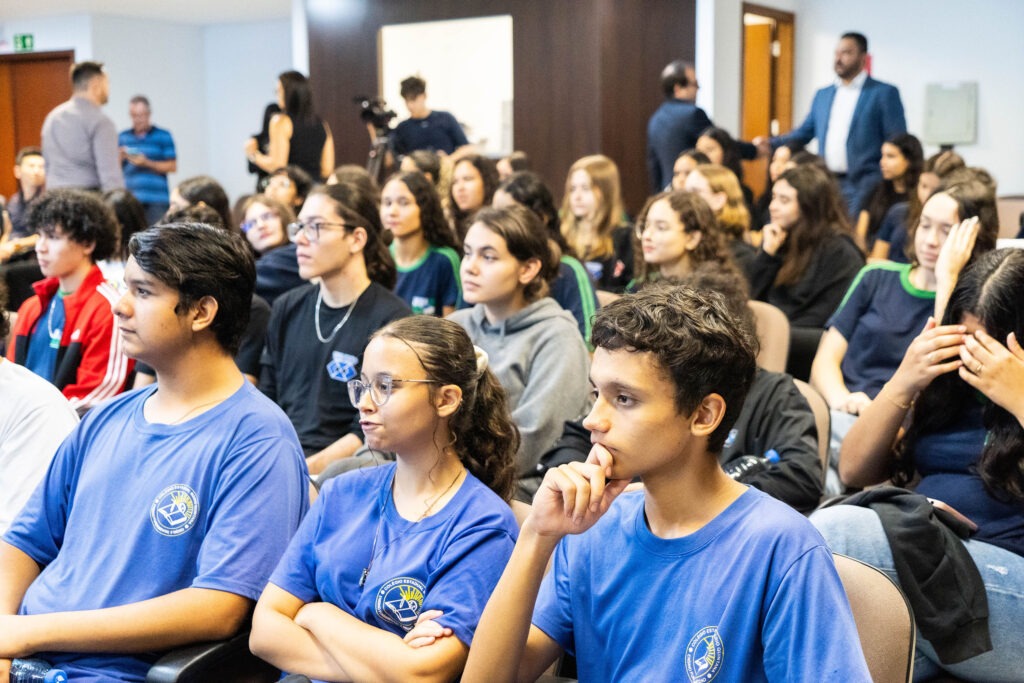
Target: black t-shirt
308	378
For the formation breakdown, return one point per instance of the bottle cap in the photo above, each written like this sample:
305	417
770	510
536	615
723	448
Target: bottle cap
55	676
771	455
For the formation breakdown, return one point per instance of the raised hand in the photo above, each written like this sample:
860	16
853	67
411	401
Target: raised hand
995	370
956	250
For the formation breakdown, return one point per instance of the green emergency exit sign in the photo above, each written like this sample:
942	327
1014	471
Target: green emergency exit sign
24	42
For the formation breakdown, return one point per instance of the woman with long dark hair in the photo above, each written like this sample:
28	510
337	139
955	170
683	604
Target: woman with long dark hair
807	257
298	137
958	394
317	333
474	180
901	164
675	233
532	342
424	247
425	537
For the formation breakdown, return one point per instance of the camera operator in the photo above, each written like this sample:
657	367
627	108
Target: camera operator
437	131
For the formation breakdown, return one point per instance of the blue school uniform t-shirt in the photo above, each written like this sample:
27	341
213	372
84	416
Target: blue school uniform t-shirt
751	596
431	283
449	561
879	317
130	510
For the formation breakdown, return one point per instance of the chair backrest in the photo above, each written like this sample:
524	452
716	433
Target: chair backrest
884	621
1010	209
773	335
822	420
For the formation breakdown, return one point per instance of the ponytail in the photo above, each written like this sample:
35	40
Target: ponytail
485	437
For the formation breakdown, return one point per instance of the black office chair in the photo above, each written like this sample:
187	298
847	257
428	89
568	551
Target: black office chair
228	661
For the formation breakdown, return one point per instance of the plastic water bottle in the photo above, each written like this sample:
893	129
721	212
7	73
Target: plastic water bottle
36	671
746	466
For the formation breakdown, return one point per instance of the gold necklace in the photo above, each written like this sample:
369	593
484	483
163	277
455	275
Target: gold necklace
380	518
192	410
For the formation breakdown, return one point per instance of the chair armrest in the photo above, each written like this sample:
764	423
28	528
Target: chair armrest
226	661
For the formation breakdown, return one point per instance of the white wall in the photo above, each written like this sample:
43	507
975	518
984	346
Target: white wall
71	32
912	44
167	70
241	64
478	92
208	85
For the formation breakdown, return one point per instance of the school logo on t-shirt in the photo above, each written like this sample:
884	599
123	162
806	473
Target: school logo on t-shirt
399	602
175	510
342	366
704	655
423	305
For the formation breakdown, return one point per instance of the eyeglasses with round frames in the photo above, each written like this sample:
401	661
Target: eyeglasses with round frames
253	222
379	388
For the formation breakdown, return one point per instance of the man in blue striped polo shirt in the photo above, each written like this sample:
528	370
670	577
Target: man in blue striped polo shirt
147	155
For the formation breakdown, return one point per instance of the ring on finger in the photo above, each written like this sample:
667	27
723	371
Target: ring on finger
980	368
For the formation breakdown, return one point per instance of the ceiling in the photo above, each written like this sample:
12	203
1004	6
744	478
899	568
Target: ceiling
180	11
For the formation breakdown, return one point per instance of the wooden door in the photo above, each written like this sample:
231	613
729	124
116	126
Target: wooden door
31	84
767	87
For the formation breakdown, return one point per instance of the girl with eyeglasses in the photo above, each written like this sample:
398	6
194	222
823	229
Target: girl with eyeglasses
422	539
424	246
676	232
317	334
264	224
534	347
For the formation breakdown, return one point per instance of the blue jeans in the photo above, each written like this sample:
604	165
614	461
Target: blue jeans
857	532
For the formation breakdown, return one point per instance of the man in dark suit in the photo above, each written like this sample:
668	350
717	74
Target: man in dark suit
677	123
850	119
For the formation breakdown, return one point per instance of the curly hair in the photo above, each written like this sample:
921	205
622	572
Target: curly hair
81	216
485	437
990	290
700	345
696	216
435	228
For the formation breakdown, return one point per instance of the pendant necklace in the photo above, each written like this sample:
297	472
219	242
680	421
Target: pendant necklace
376	534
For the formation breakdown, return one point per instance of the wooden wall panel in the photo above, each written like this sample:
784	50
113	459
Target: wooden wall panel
585	73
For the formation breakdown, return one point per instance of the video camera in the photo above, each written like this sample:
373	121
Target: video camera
373	110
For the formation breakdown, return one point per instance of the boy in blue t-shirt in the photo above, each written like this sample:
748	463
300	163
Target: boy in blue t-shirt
165	511
696	577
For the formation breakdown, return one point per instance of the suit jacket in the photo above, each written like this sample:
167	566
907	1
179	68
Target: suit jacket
877	117
673	128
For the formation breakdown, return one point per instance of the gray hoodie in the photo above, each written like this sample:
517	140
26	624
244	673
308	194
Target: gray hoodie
539	357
